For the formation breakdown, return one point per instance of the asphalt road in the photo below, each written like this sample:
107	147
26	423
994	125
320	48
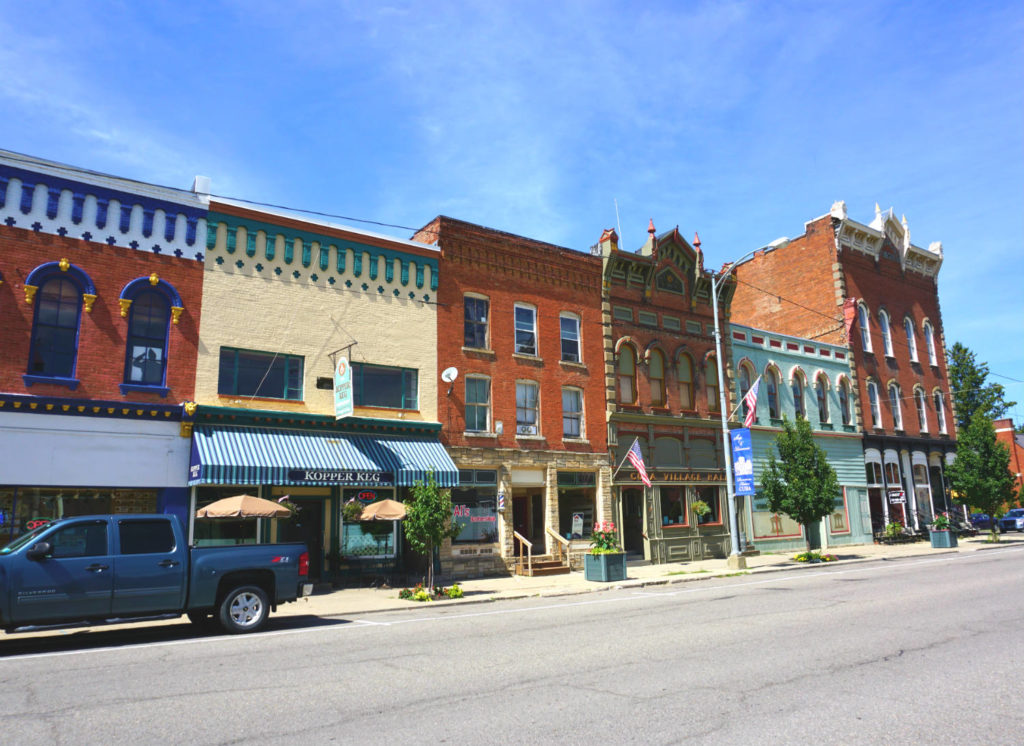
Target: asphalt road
910	651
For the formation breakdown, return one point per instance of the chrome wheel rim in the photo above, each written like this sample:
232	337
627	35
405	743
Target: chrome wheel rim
246	609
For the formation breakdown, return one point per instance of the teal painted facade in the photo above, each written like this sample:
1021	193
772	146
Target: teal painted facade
811	365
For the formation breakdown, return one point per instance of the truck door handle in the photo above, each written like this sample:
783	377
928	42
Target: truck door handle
168	563
97	568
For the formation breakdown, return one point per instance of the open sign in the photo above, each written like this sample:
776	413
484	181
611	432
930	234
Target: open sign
367	496
36	523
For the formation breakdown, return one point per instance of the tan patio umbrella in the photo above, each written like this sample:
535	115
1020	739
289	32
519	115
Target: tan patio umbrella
383	510
243	506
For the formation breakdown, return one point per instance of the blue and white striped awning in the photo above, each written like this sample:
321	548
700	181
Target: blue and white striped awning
259	455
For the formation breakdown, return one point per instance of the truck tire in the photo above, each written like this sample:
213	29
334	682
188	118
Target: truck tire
244	609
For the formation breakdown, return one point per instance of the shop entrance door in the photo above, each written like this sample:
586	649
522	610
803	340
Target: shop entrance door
633	520
307	526
528	521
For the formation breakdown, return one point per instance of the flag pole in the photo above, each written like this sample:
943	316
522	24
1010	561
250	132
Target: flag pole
635	441
740	405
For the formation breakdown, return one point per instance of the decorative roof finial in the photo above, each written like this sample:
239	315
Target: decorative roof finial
650	227
696	241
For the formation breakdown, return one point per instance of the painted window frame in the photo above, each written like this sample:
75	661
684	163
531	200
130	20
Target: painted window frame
771	388
911	332
744	380
874	404
50	374
569	416
288	360
940	410
684	376
798	387
845	408
475	406
864	322
134	339
922	410
627	355
821	388
929	342
896	405
656	359
885	324
409	397
522	332
523	426
476	325
569	339
131	294
712	386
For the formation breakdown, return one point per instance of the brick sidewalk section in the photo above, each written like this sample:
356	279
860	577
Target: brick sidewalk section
359	601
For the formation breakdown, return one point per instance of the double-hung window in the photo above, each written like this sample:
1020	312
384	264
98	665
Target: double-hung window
55	329
711	384
569	326
771	380
922	413
684	371
821	389
876	414
269	375
656	378
478	404
526	330
527	406
883	323
896	405
798	396
475	325
940	412
864	322
572	413
844	401
929	342
148	323
908	329
384	386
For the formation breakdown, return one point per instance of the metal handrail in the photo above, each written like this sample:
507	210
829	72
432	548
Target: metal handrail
523	541
562	545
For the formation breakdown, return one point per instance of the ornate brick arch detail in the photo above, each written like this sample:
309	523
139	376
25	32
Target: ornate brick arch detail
746	361
654	344
819	373
795	371
627	342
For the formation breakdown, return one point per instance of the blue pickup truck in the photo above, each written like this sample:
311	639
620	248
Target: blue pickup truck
115	568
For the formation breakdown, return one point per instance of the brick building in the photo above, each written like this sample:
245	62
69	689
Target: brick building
100	299
523	413
1014	443
867	287
289	301
663	391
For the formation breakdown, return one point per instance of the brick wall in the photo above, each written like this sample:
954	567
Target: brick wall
103	332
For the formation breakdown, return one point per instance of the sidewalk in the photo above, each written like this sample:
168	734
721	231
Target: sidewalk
353	602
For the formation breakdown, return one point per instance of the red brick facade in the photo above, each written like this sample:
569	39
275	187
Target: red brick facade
102	336
1014	443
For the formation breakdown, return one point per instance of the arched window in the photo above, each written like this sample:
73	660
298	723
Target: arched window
876	413
656	376
929	343
864	322
148	323
821	390
922	415
940	411
627	375
711	384
895	405
771	384
685	372
844	401
799	409
883	323
745	380
54	349
908	328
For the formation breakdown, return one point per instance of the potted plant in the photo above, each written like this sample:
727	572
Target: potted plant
940	534
700	508
893	531
606	561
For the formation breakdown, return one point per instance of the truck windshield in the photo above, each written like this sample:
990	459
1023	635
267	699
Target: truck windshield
24	539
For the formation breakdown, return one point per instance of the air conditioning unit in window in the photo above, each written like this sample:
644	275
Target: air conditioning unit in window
526	429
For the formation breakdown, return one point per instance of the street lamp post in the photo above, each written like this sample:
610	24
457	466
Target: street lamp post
736	560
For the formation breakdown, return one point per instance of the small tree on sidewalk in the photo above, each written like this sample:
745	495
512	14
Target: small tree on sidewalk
980	476
428	520
801	483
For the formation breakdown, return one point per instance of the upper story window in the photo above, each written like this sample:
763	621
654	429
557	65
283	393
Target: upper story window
656	376
929	343
685	374
148	324
864	322
883	323
940	411
844	402
54	349
799	408
478	404
821	391
526	330
876	414
477	313
384	386
527	406
572	413
922	415
627	375
569	327
746	378
896	405
771	385
269	375
908	329
873	472
711	384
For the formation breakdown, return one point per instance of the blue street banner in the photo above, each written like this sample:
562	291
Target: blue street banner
742	461
342	388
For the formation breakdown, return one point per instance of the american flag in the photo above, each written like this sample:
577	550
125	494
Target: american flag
637	459
751	401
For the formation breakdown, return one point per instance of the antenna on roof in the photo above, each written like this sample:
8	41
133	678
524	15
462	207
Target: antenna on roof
618	222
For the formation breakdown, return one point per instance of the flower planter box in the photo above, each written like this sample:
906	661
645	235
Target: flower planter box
942	539
604	567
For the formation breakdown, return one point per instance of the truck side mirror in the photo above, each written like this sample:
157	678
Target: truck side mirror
39	551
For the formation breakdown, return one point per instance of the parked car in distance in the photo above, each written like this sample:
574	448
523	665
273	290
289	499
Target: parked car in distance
1013	520
981	520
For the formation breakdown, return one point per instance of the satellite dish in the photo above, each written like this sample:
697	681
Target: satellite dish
448	375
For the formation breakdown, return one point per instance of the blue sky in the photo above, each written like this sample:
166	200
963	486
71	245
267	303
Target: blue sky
740	120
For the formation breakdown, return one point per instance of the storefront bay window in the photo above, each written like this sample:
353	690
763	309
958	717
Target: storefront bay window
577	494
711	497
475	506
673	506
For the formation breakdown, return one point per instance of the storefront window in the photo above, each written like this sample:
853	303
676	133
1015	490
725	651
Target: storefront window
220	531
368	539
839	521
710	496
23	509
475	506
576	504
673	506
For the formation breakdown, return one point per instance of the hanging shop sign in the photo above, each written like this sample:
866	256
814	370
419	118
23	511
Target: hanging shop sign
742	461
342	388
897	497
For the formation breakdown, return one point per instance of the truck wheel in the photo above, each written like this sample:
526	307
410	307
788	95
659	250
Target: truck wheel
244	609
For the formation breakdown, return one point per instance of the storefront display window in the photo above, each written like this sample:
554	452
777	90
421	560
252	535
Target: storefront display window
710	496
475	506
23	509
673	506
220	531
839	519
576	504
768	525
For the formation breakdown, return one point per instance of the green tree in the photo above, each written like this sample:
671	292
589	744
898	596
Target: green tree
969	389
980	476
428	520
801	483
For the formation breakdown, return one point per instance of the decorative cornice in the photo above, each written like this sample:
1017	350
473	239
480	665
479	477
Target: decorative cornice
213	415
89	407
